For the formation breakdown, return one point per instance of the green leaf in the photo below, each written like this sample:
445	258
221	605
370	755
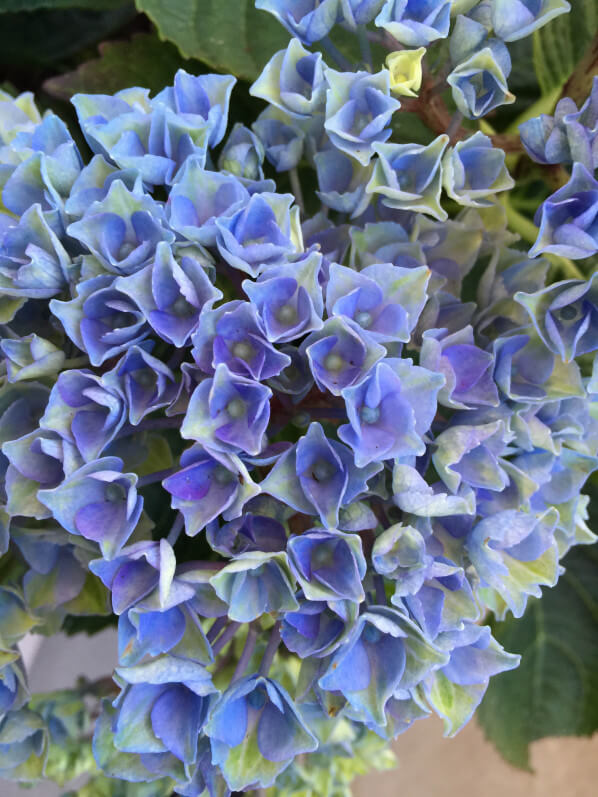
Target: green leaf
555	690
228	35
560	44
143	61
14	6
47	36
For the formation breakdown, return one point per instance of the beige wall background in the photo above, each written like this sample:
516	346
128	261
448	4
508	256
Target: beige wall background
469	766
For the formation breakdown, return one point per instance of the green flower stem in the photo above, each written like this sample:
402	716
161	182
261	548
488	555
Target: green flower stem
336	55
225	637
247	653
529	232
364	45
296	188
157	476
271	649
176	529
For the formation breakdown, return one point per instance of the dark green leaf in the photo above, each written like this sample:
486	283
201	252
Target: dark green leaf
228	35
49	36
13	6
555	690
143	61
560	44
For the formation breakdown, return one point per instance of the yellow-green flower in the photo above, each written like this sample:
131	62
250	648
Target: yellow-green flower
405	67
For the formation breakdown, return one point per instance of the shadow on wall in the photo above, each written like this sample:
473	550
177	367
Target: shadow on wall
469	766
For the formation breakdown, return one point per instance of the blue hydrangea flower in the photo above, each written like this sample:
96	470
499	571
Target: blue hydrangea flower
17	114
567	219
359	12
37	460
342	182
516	19
328	565
33	262
472	454
93	183
289	298
146	382
384	299
479	79
199	197
136	572
156	143
206	487
308	20
317	476
122	230
399	553
455	690
528	371
261	234
31	357
101	320
162	708
171	291
50	164
200	97
467	369
252	532
514	553
293	80
341	354
565	315
358	111
255	583
243	156
87	410
474	170
415	23
414	495
98	502
228	413
281	137
386	651
23	745
571	135
390	411
384	242
409	176
318	628
233	334
255	732
295	380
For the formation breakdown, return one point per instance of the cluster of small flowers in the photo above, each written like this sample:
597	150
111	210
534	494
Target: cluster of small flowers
567	219
371	459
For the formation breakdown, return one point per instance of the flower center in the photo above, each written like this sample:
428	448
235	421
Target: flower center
222	476
569	313
286	314
236	408
364	319
333	362
145	378
115	493
369	414
180	307
125	250
322	470
243	350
